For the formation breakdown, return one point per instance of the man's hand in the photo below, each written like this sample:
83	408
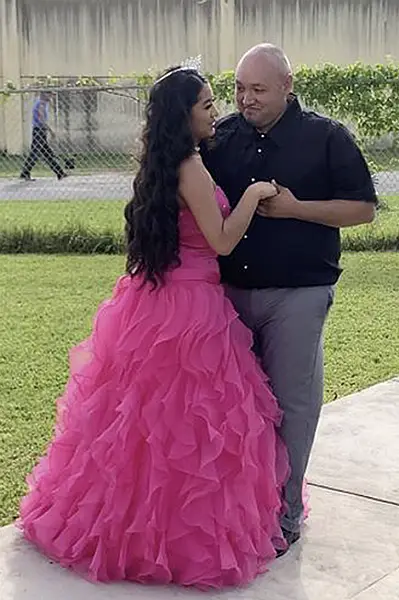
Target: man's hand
333	213
283	205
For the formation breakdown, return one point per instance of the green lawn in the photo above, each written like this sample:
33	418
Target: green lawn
55	215
86	226
47	303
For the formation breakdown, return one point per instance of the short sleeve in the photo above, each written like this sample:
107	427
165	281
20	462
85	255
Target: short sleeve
349	174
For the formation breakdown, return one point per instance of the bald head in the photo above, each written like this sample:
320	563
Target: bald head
263	84
269	55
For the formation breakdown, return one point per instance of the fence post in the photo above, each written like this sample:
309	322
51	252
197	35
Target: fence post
227	35
11	109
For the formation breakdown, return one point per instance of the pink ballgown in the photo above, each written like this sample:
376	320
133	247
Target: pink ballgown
166	464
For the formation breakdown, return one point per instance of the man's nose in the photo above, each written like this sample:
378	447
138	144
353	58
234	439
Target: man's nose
247	98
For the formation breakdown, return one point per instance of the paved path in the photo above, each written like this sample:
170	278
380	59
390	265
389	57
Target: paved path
350	547
103	186
111	186
387	183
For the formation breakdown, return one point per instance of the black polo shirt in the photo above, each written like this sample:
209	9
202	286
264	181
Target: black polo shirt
317	159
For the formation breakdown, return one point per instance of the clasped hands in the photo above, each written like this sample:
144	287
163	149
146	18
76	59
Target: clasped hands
280	205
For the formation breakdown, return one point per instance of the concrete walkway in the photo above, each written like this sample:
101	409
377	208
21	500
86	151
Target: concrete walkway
102	186
350	546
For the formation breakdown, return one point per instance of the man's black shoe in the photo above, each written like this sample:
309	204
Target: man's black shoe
290	537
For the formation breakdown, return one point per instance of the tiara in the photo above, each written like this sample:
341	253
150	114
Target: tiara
189	64
194	62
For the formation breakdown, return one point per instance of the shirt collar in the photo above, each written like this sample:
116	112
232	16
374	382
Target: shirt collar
282	130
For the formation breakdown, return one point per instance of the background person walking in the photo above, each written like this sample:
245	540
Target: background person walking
40	147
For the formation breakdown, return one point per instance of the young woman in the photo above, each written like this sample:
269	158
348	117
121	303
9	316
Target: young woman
165	465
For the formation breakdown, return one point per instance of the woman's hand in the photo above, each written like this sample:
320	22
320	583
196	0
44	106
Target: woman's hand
262	190
282	205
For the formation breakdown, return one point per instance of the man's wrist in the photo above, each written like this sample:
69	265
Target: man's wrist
300	210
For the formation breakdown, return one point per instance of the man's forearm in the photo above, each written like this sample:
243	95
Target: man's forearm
336	213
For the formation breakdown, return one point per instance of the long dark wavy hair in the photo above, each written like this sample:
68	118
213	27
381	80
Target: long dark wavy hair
152	231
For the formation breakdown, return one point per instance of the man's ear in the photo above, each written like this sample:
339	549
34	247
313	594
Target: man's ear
288	84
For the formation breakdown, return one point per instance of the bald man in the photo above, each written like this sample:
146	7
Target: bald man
282	274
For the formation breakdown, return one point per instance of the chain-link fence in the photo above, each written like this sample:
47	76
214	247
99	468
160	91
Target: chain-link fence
93	137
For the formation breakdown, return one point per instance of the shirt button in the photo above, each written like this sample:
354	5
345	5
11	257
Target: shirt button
262	135
245	267
259	150
253	179
245	237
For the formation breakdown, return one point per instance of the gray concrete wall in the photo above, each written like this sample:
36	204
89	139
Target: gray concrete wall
91	36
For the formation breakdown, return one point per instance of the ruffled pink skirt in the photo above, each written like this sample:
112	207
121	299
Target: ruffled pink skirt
165	465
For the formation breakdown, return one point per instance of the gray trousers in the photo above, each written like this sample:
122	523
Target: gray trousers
288	332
